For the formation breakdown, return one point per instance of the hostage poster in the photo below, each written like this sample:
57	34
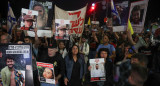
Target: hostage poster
16	65
97	69
46	72
45	17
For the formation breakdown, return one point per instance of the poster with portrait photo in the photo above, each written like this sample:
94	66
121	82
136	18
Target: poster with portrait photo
62	29
46	72
29	19
137	15
45	13
18	58
97	69
122	7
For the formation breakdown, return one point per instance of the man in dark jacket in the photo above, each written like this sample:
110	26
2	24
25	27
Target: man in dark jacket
56	59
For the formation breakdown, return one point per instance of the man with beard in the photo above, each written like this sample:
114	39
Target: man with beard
11	76
42	16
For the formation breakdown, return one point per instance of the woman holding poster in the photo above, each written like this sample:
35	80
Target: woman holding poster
74	68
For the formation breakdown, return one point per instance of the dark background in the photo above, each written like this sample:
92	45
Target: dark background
152	11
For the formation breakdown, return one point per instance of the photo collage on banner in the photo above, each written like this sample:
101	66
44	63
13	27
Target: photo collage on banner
45	17
97	69
29	19
120	12
18	58
46	72
62	29
137	15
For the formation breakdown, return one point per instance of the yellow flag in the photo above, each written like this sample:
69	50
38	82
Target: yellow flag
89	21
130	27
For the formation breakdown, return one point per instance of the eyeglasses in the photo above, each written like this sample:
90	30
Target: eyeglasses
39	10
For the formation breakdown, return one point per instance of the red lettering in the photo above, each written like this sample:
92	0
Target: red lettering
75	13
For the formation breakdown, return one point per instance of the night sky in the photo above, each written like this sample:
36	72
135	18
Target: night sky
152	12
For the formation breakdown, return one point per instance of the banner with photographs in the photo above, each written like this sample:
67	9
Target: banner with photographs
46	72
137	15
97	69
17	58
120	19
76	17
29	19
62	29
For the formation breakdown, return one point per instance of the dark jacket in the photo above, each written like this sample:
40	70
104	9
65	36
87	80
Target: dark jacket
69	62
57	61
109	72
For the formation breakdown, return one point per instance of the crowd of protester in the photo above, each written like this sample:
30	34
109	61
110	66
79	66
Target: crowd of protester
71	57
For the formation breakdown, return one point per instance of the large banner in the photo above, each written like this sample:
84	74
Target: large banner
137	15
17	58
76	18
120	12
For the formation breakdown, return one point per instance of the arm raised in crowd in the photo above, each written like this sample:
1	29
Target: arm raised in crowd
130	39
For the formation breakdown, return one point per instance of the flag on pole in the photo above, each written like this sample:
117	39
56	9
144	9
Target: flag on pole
11	19
130	27
89	21
114	11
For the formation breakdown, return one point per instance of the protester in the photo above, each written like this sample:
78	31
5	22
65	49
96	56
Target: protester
106	44
56	59
61	49
74	67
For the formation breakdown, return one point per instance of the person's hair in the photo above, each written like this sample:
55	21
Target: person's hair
27	37
103	49
8	37
141	72
141	58
136	8
9	57
71	54
38	4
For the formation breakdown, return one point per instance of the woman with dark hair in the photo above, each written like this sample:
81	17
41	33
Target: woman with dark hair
74	64
104	53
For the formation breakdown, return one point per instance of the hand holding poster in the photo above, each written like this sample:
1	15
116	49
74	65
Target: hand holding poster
97	69
46	72
18	59
29	19
62	29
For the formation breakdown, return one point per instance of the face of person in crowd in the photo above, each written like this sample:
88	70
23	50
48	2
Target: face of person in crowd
40	10
61	32
27	40
105	39
4	39
10	63
97	66
134	78
126	48
52	52
134	60
83	40
47	73
61	45
103	54
136	17
28	23
75	50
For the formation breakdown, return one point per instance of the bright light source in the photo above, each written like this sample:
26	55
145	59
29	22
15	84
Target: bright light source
93	4
93	8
